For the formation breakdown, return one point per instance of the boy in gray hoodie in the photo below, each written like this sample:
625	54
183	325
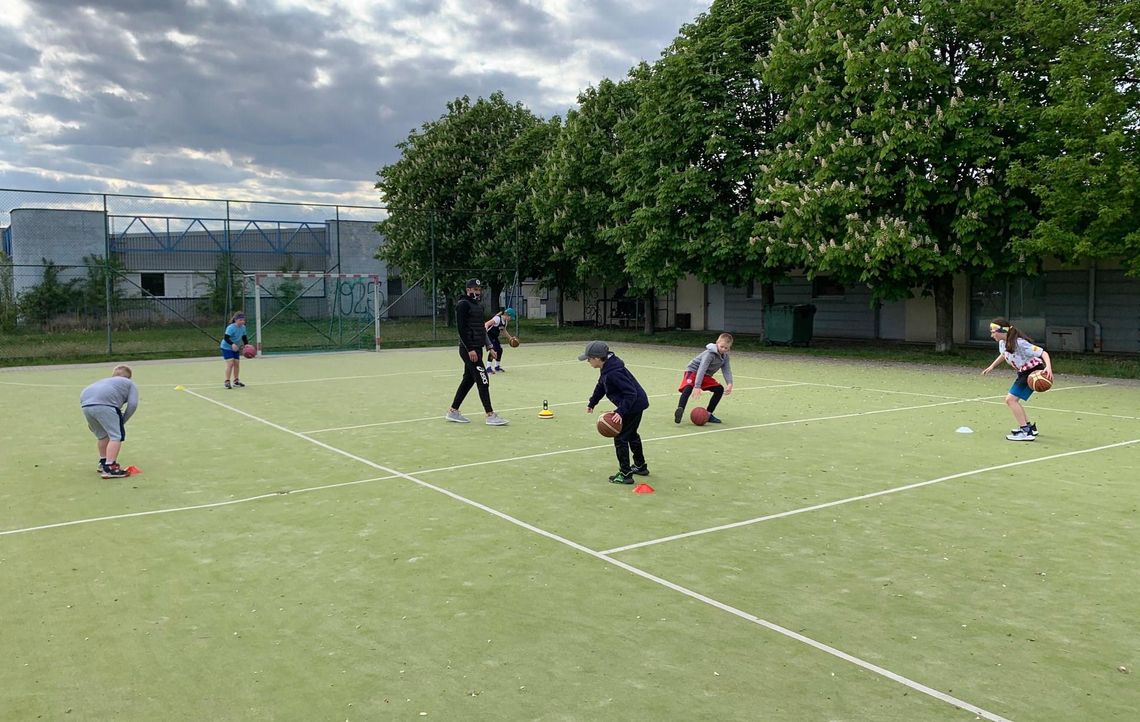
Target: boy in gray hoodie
107	405
699	377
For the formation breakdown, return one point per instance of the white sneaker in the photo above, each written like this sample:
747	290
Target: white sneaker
1021	435
457	417
496	420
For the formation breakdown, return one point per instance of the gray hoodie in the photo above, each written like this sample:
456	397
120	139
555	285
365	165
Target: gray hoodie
112	391
707	363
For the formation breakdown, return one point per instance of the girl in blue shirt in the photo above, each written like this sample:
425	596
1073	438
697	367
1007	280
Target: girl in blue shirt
233	340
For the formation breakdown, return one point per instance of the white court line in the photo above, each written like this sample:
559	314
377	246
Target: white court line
1070	411
917	686
211	505
861	497
722	430
511	410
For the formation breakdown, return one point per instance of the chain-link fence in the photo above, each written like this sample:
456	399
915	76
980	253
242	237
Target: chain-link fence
93	276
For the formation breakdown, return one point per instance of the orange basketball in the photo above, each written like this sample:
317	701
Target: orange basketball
514	342
699	415
608	426
1039	382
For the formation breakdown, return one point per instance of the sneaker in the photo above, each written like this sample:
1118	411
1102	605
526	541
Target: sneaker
238	384
1021	435
622	477
642	470
228	385
1032	430
500	369
114	471
490	370
714	420
99	468
678	414
457	417
496	420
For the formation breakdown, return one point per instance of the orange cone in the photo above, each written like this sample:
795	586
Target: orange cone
643	489
134	470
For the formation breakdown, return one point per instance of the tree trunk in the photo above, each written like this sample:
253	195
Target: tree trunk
561	304
943	287
650	314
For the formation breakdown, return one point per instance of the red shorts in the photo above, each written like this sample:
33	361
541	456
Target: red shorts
708	382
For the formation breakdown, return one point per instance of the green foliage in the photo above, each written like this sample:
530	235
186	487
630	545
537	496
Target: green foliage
1087	173
50	297
93	288
575	190
9	309
289	289
901	126
441	213
689	151
223	288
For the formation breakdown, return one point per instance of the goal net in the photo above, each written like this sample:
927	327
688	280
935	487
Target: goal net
314	311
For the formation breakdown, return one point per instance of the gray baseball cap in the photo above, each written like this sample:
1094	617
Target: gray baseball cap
595	349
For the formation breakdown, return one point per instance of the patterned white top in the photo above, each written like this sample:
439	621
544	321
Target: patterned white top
1026	356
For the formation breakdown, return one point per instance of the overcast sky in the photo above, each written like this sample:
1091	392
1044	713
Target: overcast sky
284	99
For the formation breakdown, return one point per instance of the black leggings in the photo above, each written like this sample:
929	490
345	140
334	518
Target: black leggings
473	375
716	391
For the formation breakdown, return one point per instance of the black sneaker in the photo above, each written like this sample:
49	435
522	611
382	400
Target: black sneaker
678	414
228	385
642	470
114	471
713	419
622	477
238	384
1032	430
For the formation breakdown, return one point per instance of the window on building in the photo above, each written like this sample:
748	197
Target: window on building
154	284
395	287
1021	300
827	287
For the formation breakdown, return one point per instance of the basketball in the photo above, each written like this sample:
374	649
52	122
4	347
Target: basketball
699	416
249	350
608	426
514	342
1039	382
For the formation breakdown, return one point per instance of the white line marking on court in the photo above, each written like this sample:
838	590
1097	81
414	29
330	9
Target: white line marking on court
861	497
917	686
211	505
508	411
1032	407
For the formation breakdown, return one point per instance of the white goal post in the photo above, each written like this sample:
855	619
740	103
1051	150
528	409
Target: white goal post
363	300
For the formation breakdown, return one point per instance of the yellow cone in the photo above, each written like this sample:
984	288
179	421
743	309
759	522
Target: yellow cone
179	387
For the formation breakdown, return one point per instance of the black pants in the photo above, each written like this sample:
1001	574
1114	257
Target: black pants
497	347
473	375
716	391
629	441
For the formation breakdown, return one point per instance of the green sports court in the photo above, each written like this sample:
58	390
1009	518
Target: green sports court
323	545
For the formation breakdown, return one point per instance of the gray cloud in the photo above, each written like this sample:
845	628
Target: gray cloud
252	100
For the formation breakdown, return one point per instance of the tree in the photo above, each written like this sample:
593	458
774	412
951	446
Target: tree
437	193
1087	174
574	191
902	124
688	164
516	247
50	297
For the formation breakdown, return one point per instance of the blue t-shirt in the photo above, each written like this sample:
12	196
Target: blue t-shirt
235	332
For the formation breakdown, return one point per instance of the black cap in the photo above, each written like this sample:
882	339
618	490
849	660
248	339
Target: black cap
474	283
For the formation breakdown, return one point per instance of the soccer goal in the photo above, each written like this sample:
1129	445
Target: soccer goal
314	311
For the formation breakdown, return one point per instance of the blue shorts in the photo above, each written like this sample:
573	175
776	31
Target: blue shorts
227	354
1020	389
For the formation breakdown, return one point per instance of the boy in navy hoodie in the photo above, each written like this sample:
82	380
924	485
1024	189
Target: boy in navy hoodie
617	384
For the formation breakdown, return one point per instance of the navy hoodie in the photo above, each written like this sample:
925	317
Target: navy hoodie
618	385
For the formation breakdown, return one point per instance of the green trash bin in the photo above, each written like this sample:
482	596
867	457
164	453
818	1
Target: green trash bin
789	324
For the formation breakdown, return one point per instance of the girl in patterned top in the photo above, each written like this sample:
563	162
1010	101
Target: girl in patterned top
1018	350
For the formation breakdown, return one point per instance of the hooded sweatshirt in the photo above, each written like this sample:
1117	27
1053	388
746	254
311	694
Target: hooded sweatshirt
707	363
620	387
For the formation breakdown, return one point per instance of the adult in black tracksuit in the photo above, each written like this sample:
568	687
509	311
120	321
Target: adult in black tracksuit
618	385
472	341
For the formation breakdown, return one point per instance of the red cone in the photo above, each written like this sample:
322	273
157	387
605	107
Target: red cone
643	489
134	470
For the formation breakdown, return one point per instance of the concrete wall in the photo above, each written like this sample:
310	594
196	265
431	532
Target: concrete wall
63	237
